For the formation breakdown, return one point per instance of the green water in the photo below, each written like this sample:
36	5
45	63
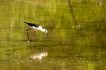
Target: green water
77	35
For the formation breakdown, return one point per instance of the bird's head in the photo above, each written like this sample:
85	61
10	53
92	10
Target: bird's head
46	33
45	30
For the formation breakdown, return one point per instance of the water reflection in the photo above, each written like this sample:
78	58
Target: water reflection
79	51
66	49
38	55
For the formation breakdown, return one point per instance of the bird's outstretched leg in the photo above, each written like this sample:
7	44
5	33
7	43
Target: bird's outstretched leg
34	33
28	34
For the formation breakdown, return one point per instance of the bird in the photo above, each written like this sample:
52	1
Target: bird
36	27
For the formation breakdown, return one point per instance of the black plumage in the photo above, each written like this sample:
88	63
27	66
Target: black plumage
32	24
35	27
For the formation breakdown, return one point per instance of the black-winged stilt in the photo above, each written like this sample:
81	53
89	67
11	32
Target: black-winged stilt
35	27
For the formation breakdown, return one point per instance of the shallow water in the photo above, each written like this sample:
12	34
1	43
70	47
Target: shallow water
73	51
69	46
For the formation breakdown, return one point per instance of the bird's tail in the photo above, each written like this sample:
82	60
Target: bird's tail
25	22
30	24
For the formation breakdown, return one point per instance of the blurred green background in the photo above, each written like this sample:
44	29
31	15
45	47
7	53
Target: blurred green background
76	29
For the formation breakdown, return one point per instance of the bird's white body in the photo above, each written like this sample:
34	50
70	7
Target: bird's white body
39	28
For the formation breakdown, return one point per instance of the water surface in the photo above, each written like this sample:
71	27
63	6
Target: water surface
69	47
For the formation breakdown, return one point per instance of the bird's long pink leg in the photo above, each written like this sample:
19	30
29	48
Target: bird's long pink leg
27	34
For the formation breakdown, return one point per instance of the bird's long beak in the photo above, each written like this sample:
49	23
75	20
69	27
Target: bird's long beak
47	35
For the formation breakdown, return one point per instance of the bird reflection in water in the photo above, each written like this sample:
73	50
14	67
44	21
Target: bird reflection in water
39	55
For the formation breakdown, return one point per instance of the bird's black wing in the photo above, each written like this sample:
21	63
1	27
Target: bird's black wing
32	24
